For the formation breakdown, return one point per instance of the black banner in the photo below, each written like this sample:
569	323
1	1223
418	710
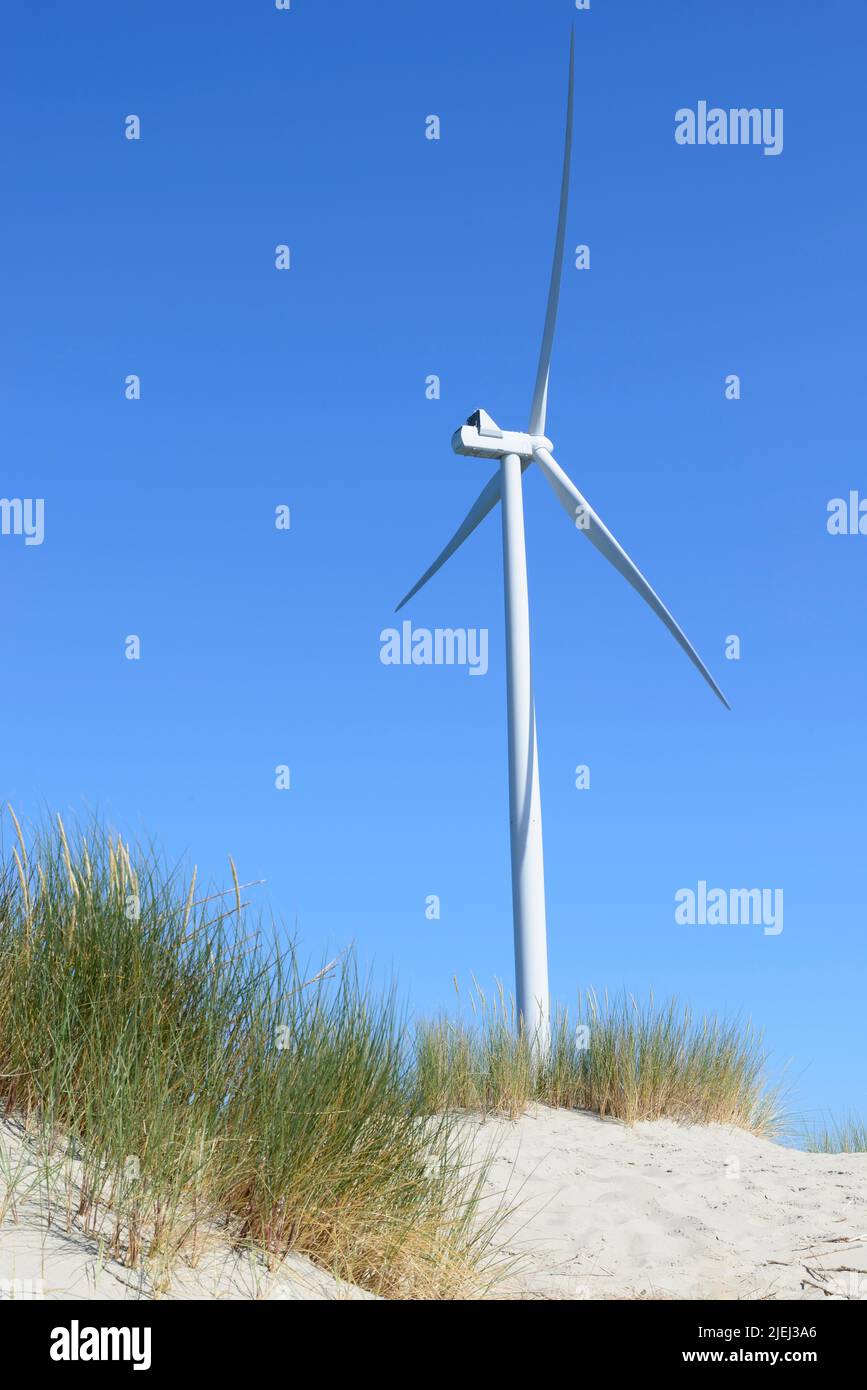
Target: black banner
62	1339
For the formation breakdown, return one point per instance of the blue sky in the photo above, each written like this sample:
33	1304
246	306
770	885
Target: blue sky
306	387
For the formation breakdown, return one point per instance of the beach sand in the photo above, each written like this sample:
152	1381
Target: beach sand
58	1260
664	1210
594	1210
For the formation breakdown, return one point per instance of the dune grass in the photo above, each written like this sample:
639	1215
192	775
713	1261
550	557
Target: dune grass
616	1057
198	1081
188	1077
838	1137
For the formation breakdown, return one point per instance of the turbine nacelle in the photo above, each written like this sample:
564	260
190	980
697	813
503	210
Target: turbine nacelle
482	438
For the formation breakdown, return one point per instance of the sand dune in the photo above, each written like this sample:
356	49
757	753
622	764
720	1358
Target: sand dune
598	1210
58	1260
671	1211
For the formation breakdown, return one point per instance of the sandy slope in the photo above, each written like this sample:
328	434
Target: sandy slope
601	1211
671	1211
59	1261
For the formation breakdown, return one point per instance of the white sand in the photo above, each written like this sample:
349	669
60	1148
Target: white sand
600	1211
58	1260
671	1211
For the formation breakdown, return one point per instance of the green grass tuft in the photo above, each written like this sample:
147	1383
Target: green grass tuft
618	1058
839	1137
200	1081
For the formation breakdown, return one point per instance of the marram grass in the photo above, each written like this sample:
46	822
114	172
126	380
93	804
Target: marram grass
616	1057
185	1077
199	1082
838	1137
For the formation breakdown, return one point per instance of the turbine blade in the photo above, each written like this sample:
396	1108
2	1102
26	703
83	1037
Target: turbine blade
539	407
487	498
596	531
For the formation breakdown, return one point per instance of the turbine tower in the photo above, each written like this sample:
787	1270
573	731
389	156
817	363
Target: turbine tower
480	437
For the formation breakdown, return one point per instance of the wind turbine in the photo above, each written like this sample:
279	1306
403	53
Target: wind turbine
480	437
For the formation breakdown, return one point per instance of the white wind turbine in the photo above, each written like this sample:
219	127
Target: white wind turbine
480	437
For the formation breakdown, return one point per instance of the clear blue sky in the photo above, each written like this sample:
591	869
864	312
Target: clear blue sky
307	387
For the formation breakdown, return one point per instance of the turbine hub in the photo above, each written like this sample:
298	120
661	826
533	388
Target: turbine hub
482	438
